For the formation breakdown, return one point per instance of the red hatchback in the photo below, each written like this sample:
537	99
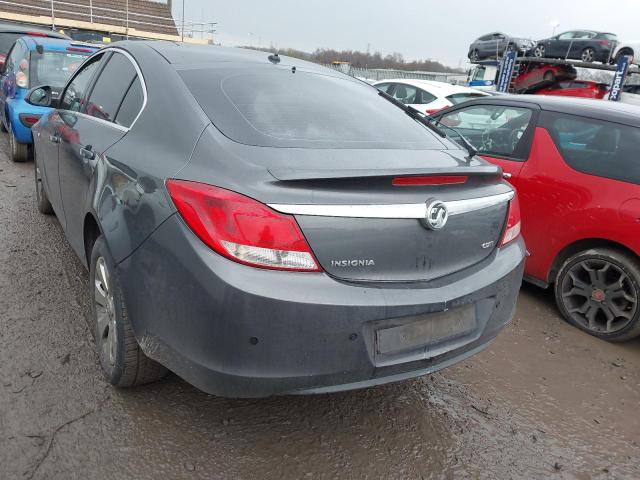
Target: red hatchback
576	88
576	167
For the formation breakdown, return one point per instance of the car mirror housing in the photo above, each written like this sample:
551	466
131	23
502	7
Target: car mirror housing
41	97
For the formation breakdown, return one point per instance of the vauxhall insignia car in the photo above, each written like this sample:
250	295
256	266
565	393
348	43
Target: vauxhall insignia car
255	248
575	165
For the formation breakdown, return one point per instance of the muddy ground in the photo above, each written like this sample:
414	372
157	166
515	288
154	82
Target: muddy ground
544	401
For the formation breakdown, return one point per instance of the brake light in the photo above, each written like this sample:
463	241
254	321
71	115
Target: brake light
514	223
604	42
429	180
242	229
29	119
431	111
22	80
37	34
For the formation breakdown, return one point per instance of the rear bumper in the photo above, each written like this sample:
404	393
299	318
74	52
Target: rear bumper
237	331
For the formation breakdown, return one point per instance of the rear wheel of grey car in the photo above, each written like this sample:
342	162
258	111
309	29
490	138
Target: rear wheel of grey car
42	200
19	151
598	291
539	51
123	362
588	55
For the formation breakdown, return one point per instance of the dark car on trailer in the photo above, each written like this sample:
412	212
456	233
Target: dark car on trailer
575	165
262	225
585	45
493	45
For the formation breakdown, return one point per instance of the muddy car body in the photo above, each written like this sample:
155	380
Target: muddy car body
255	247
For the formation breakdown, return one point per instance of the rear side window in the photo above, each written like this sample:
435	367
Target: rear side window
131	104
596	147
426	97
275	106
385	87
7	40
110	88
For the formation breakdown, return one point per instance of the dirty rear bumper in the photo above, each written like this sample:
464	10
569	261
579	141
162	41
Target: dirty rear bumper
238	331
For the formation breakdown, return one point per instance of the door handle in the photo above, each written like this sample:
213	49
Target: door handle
87	152
54	138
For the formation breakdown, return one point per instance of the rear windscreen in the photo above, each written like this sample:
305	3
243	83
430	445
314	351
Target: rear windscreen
277	106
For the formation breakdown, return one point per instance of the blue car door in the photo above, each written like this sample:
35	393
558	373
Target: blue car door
8	78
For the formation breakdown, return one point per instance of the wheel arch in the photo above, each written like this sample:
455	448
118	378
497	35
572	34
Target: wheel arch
91	231
580	246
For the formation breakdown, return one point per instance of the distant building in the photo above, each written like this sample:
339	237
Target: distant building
113	19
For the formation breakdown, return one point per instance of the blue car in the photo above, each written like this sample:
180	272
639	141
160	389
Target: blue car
34	61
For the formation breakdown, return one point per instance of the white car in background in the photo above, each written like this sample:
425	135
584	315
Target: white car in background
631	48
426	95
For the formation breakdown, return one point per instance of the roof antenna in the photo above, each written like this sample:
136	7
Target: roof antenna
274	58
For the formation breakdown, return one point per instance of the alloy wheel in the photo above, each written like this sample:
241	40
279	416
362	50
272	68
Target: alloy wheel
105	313
599	295
588	55
539	51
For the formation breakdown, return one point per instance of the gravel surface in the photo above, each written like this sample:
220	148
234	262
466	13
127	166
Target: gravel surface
544	401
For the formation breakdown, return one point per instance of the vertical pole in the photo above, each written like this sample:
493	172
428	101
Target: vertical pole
183	20
53	17
127	6
91	11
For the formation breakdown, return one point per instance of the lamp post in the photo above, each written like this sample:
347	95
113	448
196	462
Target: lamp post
183	20
555	24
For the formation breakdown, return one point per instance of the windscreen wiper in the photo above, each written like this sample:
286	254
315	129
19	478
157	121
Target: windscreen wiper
423	119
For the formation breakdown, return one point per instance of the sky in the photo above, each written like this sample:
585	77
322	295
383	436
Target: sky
419	29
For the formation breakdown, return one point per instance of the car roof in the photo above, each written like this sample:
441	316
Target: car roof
584	107
6	27
55	44
439	88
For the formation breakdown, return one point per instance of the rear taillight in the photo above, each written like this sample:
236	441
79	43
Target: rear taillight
604	42
512	231
22	80
242	229
29	119
82	50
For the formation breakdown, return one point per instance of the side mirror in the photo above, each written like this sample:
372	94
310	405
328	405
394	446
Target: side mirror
41	97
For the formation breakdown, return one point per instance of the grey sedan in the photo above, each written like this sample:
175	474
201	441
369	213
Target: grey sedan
261	225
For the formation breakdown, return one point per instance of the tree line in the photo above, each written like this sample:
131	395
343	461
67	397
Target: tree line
359	59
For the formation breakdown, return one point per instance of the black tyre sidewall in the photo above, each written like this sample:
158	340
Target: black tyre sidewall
623	262
111	373
42	200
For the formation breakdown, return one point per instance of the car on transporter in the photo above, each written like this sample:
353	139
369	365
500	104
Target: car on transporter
584	45
255	248
493	45
33	60
575	165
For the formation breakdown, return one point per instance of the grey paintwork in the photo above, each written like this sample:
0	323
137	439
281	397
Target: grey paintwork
494	44
195	311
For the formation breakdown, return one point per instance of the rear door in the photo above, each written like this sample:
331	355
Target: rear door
581	40
502	134
90	133
561	45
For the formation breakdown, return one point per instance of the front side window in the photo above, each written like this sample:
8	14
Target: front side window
491	129
111	87
596	147
72	98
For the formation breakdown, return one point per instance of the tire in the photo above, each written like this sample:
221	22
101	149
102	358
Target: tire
3	127
549	76
598	291
42	200
123	362
474	56
588	55
19	152
626	52
539	51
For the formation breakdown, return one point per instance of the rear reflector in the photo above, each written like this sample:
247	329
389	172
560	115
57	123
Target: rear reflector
29	119
242	229
429	180
514	224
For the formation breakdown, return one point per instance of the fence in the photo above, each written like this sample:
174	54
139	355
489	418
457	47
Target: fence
387	74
